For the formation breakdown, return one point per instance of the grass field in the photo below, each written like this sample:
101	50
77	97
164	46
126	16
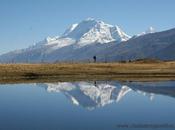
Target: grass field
87	71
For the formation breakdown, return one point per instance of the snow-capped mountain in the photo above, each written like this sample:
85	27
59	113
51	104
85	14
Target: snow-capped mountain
159	45
90	37
148	31
88	32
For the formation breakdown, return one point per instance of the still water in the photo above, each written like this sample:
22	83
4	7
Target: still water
100	105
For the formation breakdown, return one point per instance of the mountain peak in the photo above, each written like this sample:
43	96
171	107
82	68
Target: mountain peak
91	30
150	30
88	31
90	19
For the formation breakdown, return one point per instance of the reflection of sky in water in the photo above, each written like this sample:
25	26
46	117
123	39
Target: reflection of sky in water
85	105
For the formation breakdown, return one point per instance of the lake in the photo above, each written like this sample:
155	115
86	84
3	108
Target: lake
96	105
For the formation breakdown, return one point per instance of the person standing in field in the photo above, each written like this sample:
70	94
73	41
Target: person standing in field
95	59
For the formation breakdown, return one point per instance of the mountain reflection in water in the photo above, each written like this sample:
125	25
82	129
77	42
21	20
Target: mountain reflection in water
91	95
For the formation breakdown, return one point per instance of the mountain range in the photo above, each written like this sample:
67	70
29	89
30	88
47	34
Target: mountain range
90	37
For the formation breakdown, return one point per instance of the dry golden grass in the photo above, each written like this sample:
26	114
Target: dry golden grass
88	71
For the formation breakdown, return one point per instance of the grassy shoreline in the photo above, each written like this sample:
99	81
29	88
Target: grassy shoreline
86	71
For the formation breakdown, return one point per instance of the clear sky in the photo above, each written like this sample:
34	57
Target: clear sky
24	22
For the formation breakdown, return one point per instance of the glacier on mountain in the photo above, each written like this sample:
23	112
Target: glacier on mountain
87	32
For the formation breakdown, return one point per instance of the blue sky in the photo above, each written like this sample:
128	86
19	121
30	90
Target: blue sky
24	22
